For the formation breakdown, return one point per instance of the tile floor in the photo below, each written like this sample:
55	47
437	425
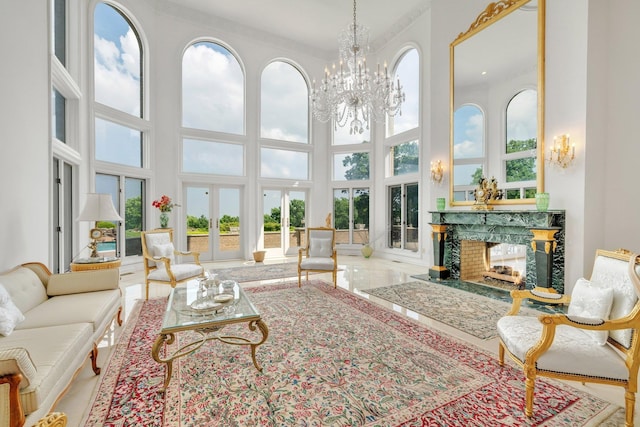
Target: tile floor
357	273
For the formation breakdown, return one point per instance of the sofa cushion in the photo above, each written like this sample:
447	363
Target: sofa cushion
25	288
83	281
88	307
10	315
56	352
17	360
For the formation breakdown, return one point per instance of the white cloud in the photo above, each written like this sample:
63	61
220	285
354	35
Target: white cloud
212	89
117	73
522	116
285	103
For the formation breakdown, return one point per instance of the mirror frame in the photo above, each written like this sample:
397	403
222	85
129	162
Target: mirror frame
493	13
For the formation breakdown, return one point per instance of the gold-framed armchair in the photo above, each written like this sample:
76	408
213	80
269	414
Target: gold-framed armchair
319	254
596	341
160	260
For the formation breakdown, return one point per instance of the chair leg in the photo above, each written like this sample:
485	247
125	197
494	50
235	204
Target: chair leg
528	403
335	279
500	354
146	291
629	403
299	282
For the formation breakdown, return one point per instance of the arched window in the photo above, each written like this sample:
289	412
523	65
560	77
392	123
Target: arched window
212	89
119	138
521	143
468	150
284	109
408	72
117	61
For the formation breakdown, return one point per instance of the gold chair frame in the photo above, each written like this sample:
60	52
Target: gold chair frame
304	252
150	261
550	322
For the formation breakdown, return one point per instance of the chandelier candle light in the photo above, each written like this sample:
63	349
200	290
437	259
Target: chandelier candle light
562	153
355	93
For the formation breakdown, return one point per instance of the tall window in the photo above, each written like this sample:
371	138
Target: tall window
469	153
284	118
284	96
521	145
117	61
119	139
403	147
408	72
60	30
212	89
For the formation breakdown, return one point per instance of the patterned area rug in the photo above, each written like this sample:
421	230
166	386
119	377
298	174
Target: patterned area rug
456	308
332	359
257	272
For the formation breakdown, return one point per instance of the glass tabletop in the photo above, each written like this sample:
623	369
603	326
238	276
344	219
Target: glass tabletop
200	304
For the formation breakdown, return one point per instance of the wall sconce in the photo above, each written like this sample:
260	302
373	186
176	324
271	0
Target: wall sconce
562	153
437	172
98	207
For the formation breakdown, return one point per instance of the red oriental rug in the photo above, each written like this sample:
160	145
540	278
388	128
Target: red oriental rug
332	359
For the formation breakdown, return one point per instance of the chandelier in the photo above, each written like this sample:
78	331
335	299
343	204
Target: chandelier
352	93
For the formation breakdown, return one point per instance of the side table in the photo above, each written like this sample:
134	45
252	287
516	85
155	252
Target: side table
84	264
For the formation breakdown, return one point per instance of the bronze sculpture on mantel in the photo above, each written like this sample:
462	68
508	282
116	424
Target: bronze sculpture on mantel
486	193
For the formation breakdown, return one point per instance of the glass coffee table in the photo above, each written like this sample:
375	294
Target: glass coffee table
206	307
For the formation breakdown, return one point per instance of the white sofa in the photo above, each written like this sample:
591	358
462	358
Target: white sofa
65	318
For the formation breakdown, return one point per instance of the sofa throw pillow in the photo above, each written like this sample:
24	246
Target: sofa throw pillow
164	250
592	302
10	315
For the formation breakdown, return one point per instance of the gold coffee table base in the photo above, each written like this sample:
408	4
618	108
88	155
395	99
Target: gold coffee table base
169	338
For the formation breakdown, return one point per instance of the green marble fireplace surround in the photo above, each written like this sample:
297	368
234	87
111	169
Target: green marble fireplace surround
543	234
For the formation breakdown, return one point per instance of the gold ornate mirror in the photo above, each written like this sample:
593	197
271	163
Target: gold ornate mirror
497	103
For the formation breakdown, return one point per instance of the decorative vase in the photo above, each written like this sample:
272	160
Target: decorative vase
164	220
441	203
258	256
366	250
542	202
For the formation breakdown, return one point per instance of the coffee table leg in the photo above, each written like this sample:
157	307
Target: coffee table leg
259	324
155	353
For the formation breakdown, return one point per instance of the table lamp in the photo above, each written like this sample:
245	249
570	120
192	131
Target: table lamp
98	207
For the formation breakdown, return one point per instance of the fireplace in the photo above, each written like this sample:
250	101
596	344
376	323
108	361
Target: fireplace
541	233
500	264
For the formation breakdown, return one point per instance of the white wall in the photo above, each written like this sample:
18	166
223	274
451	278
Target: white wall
620	113
24	134
592	69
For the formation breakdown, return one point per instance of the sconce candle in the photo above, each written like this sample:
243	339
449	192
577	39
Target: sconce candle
437	171
562	153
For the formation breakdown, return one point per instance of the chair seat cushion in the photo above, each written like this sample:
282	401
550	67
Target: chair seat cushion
180	271
573	351
317	263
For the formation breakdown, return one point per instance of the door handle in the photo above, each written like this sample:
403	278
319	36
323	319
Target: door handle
210	222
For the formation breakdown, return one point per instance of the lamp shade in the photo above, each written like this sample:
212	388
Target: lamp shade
99	207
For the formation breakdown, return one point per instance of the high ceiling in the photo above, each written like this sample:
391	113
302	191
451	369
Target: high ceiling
315	23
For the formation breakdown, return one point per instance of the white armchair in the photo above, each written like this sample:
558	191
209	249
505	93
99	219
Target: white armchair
160	260
320	254
596	341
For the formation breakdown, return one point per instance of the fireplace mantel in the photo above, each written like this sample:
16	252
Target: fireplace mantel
543	233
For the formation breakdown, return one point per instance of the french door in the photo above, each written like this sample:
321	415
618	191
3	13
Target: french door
284	213
403	217
214	221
